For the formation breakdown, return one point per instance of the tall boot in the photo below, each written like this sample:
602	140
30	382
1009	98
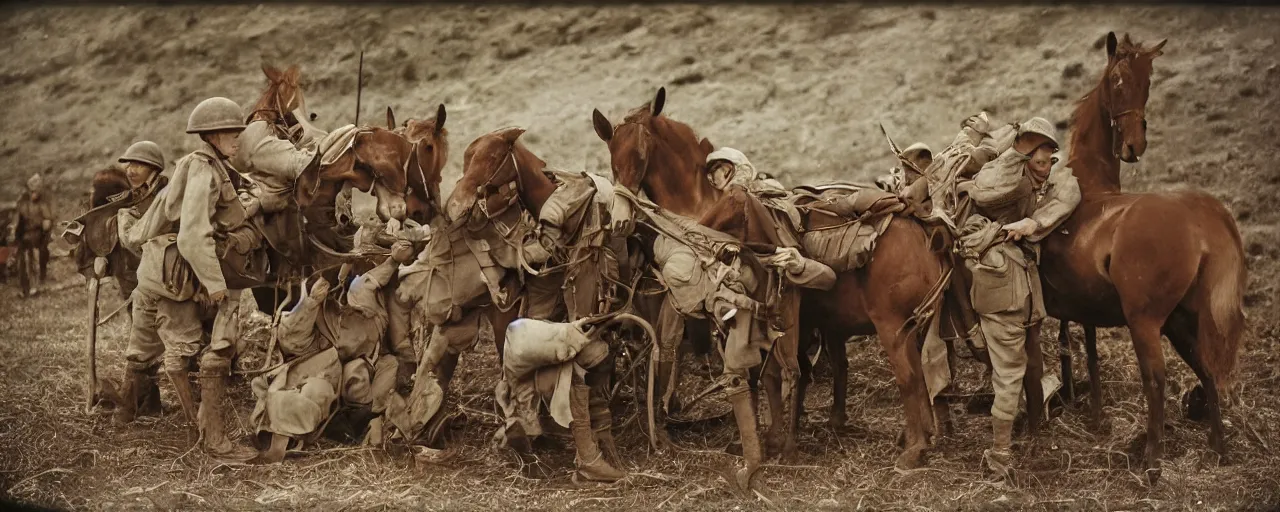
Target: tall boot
181	380
127	406
602	427
744	412
663	382
213	389
149	395
1000	456
590	462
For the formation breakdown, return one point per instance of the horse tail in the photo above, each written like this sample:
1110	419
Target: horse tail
1221	324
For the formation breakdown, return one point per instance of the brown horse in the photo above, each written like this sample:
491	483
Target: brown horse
665	158
1168	262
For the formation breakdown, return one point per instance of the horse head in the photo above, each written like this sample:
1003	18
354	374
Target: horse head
1125	87
282	96
651	151
491	169
430	147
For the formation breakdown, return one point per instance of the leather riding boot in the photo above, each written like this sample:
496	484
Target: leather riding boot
1000	456
662	382
130	392
745	413
602	427
213	389
590	462
181	380
149	395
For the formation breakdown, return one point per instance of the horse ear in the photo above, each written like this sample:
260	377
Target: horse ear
440	116
1157	50
293	73
391	119
706	145
1111	44
511	134
603	127
272	73
658	101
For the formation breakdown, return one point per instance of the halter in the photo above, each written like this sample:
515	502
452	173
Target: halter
1116	139
483	199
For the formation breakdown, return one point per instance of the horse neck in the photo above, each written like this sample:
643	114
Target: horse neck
1093	159
533	185
679	186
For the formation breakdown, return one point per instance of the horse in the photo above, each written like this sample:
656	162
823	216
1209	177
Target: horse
1163	262
665	158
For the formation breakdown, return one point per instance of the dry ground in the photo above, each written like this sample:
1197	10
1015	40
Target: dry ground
799	89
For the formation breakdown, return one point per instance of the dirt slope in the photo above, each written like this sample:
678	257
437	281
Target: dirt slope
800	89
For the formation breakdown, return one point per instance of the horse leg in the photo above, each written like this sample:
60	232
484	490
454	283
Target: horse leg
771	381
499	320
1064	356
838	354
1146	343
1032	383
1203	401
1095	380
904	359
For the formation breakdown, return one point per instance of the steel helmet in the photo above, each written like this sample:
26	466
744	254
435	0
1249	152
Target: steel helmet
144	152
1039	126
215	114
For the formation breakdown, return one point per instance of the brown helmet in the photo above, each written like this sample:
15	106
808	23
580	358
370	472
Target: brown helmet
215	114
144	152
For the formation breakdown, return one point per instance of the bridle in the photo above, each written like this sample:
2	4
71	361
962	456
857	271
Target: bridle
642	143
1117	139
511	190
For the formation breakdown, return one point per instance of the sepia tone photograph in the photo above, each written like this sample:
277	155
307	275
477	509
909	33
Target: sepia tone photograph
660	256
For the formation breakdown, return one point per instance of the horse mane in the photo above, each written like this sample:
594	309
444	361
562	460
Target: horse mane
678	137
106	183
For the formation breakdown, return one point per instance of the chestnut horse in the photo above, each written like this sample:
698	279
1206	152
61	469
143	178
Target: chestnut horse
1166	262
664	157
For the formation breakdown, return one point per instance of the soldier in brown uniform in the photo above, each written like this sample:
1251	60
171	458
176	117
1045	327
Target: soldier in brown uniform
1018	200
143	162
32	221
200	253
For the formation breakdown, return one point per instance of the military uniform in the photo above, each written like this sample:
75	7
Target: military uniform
1005	291
198	242
554	361
31	225
337	351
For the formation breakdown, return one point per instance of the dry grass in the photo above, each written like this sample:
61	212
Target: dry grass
55	455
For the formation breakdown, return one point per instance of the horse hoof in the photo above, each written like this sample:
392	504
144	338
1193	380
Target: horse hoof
837	422
1196	404
910	459
1153	474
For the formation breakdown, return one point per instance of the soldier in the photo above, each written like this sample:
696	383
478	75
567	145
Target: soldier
200	253
1018	200
143	162
340	351
32	222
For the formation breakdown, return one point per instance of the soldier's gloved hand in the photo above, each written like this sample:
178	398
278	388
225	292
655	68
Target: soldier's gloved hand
402	251
534	252
319	289
241	241
1021	229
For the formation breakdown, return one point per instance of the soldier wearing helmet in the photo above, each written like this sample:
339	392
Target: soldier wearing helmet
143	162
198	253
1018	199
